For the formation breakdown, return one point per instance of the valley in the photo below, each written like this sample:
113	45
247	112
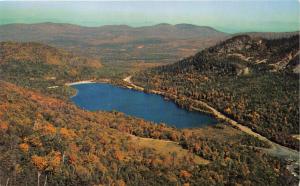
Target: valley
120	48
249	83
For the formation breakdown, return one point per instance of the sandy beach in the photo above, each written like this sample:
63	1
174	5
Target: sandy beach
80	82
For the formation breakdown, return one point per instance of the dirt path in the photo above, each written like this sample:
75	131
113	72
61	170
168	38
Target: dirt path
275	150
132	85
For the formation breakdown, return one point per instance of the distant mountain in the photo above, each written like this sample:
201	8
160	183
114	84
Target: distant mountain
162	43
250	79
158	43
45	31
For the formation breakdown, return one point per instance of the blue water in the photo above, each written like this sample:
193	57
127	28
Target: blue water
151	107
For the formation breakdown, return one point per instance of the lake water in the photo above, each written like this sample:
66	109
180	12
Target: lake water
151	107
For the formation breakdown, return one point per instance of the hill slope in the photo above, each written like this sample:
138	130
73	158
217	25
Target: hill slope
38	53
251	80
40	66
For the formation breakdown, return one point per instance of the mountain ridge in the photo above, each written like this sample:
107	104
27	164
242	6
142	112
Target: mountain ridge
162	43
97	27
117	43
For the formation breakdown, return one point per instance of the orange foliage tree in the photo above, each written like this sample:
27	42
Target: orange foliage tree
24	147
39	161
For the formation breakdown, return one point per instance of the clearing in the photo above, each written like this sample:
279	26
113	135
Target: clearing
167	148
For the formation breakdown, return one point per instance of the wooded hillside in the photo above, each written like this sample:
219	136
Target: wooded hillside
48	141
252	80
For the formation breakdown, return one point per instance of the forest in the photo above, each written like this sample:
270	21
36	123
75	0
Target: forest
45	139
252	80
48	141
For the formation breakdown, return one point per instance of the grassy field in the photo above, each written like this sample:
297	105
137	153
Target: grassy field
166	148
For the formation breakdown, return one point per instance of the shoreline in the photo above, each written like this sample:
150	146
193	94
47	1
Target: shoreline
210	110
104	80
166	96
277	150
78	83
140	89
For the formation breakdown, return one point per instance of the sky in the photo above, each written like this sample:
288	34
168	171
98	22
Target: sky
227	16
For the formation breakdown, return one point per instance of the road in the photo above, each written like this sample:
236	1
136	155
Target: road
275	150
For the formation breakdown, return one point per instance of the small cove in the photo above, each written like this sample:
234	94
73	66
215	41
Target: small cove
151	107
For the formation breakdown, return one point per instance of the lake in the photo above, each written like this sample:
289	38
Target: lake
151	107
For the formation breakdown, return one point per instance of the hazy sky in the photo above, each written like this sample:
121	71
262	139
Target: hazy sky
228	16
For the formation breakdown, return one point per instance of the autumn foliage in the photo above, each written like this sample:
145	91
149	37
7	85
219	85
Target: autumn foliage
24	147
39	162
65	145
